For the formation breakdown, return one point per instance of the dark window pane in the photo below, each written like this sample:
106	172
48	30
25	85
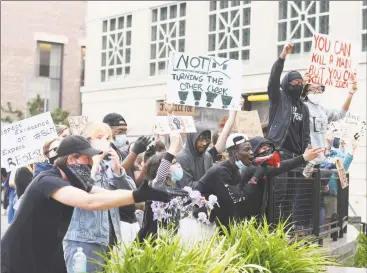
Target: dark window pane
324	5
246	37
236	33
181	45
246	17
173	11
127	70
182	28
312	9
282	31
296	48
105	23
119	71
163	13
154	15
104	42
298	3
128	21
213	5
294	12
120	56
111	57
364	19
232	43
312	22
283	9
121	23
307	46
280	49
234	55
153	49
307	32
128	38
162	51
152	69
324	24
103	61
111	72
222	55
245	54
182	9
154	33
127	55
246	2
44	59
162	65
364	3
112	24
235	3
235	18
297	33
223	4
364	42
212	22
173	32
211	42
103	75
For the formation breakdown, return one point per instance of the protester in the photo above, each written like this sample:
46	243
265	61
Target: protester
23	177
4	190
62	131
289	126
119	129
12	196
47	157
32	241
160	147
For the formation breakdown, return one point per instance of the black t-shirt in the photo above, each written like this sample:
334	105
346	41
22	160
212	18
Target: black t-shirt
33	240
293	141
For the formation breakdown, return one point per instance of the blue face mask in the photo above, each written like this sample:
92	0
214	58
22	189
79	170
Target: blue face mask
120	140
240	164
177	174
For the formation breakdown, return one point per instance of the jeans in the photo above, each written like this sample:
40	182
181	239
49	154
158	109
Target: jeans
70	248
11	211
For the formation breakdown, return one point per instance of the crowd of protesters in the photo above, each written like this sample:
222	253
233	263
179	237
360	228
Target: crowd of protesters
95	190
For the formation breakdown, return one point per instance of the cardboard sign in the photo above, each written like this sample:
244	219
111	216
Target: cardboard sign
179	110
333	62
166	124
341	172
248	122
77	123
350	127
204	81
21	141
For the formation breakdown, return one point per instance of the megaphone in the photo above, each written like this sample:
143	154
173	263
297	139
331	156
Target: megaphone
270	160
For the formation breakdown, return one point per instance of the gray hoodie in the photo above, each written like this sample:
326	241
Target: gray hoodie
320	117
193	163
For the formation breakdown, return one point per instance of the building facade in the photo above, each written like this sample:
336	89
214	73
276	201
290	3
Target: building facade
129	43
42	52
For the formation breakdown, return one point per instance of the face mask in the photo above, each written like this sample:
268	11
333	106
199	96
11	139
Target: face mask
240	164
314	98
120	140
177	174
79	176
100	144
295	91
52	159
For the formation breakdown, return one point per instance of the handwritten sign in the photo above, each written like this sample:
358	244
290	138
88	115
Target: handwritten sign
166	124
204	81
350	127
333	62
341	172
179	110
77	124
248	122
21	141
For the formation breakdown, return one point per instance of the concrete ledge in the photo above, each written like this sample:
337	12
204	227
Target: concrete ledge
52	38
334	269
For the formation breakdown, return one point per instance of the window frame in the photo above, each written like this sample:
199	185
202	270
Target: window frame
363	31
82	65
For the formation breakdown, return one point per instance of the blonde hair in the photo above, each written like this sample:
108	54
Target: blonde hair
60	129
92	129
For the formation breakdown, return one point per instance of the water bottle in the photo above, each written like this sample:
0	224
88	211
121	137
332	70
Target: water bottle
79	261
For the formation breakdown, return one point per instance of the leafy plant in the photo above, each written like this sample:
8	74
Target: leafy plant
60	116
247	246
10	114
360	259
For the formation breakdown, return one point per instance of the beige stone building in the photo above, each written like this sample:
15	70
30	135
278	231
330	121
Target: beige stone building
42	52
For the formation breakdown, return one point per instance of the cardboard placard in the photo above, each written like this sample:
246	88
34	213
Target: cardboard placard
333	62
182	124
77	123
179	110
350	127
341	172
21	141
248	122
204	81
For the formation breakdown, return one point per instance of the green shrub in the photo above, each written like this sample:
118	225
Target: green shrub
248	247
360	259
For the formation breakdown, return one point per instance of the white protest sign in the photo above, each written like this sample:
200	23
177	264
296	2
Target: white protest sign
333	61
164	125
248	122
21	141
77	123
350	127
204	81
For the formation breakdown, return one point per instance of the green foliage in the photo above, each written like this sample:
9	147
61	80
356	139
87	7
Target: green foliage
10	114
36	106
360	259
60	116
246	247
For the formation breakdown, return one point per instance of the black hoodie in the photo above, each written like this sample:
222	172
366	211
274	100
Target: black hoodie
281	116
256	203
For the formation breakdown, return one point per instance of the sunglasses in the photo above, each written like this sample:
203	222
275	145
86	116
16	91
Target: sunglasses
53	149
320	88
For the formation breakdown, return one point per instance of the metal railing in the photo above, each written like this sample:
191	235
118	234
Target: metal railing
314	207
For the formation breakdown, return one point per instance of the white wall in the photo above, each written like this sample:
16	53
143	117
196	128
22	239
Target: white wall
135	96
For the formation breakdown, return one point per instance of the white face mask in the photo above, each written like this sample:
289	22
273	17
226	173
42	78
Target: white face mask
121	140
314	98
100	144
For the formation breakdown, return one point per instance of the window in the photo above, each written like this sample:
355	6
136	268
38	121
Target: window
364	26
50	65
82	72
299	20
116	48
229	29
167	34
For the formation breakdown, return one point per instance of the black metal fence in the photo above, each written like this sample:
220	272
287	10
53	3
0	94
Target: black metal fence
316	206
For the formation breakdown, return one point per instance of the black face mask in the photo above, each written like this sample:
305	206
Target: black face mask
79	176
52	159
266	153
295	91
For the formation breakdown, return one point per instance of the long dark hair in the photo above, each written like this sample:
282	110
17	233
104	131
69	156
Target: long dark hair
152	165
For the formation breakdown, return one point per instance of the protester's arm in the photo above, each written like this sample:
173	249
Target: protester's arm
161	179
221	143
139	147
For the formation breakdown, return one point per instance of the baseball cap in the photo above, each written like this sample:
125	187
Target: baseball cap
236	139
76	144
114	119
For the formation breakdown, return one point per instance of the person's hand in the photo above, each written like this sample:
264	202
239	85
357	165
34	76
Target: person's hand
176	143
354	88
116	166
141	144
98	158
311	154
306	78
286	50
145	193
